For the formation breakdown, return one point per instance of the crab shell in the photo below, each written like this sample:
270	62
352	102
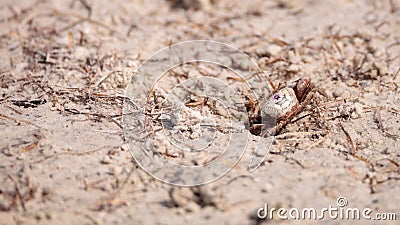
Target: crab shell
281	104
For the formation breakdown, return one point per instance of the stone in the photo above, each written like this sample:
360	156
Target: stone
106	160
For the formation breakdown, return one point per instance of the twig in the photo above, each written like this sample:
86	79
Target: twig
14	110
93	183
131	27
69	26
354	146
318	142
105	78
63	14
87	6
30	147
297	162
75	111
112	198
29	103
238	177
71	153
18	120
378	119
305	133
391	161
397	73
20	197
23	11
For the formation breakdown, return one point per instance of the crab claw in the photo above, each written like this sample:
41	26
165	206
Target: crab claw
302	88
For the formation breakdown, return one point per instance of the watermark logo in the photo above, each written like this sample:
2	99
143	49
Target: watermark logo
190	101
341	212
341	202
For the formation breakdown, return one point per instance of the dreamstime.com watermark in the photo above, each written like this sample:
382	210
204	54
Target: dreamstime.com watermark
338	212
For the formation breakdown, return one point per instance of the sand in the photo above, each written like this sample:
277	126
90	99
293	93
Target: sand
66	66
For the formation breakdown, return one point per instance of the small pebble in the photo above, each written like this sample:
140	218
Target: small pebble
192	207
21	156
307	59
293	68
116	170
358	110
358	42
337	93
274	50
382	68
194	135
182	196
7	151
106	160
125	147
267	188
82	52
293	58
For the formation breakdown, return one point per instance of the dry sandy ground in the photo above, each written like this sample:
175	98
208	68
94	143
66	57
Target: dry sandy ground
64	160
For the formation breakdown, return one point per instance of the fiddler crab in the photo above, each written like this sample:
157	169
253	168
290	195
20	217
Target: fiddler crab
284	103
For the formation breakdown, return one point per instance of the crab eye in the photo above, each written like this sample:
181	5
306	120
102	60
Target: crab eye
276	96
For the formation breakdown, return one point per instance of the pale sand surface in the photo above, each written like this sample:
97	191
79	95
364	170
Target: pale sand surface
61	167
